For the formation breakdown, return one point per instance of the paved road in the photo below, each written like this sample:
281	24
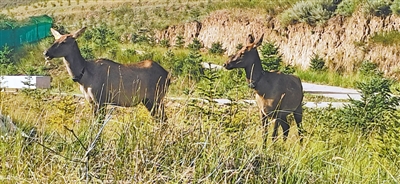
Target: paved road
331	91
316	89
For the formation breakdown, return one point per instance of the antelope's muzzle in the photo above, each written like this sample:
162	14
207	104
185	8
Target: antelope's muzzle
47	55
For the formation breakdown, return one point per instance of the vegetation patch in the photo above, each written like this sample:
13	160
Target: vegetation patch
347	7
377	7
386	38
311	12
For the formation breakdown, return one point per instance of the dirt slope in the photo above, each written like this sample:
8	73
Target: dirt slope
343	42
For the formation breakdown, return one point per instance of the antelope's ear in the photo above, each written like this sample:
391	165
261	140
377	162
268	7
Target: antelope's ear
259	41
79	32
250	39
55	33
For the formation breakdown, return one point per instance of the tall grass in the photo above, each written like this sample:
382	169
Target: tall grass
188	148
347	80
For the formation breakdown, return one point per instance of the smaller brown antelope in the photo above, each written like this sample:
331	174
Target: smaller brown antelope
277	94
106	82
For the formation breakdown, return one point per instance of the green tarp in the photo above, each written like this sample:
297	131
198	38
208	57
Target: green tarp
14	34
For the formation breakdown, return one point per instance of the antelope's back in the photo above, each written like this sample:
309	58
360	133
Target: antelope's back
127	85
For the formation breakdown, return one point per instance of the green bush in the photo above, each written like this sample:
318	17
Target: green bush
239	46
165	43
209	92
87	52
140	38
270	57
375	113
103	37
317	63
33	70
195	45
347	7
7	66
127	56
194	13
216	48
113	52
287	69
376	104
179	41
189	66
369	68
148	55
169	61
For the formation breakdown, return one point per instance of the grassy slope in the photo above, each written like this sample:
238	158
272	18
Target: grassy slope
223	146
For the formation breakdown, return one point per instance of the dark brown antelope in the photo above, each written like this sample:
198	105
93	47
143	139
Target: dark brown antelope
277	94
106	82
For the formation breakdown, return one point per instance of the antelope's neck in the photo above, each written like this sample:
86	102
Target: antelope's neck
75	65
254	72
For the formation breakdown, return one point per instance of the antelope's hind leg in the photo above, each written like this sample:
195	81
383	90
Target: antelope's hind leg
99	112
156	109
282	120
265	125
298	116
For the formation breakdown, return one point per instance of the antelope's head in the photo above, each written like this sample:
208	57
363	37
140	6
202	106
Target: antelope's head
63	45
245	56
